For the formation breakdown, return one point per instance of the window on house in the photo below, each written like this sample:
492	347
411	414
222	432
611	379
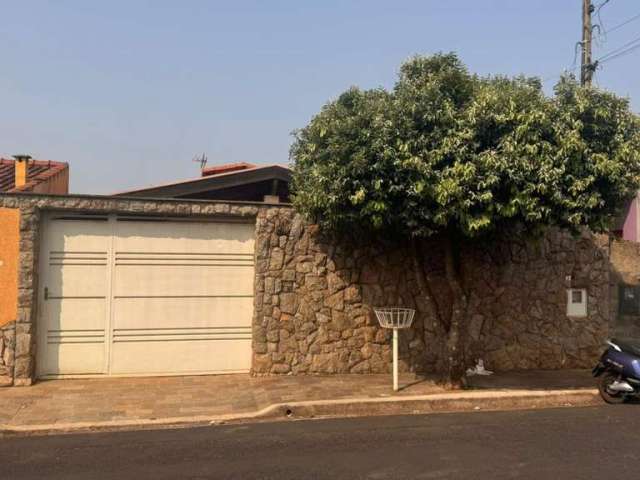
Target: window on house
577	302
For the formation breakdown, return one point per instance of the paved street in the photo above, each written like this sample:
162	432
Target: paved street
578	443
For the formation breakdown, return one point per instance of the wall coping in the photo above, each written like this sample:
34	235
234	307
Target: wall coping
119	198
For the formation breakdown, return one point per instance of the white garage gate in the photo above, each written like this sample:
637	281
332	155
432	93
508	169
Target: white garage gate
126	295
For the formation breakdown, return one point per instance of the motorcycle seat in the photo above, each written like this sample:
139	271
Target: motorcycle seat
630	346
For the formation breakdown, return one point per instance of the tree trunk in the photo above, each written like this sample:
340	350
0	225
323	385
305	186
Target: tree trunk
450	328
434	320
423	284
455	371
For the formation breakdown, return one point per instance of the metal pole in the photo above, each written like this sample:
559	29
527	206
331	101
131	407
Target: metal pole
586	72
395	359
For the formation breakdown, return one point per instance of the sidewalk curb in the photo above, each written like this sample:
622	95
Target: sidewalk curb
463	401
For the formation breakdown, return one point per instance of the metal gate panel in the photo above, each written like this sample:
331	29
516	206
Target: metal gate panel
182	297
73	330
157	296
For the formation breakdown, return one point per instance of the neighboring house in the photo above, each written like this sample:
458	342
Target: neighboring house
630	225
20	175
233	181
24	174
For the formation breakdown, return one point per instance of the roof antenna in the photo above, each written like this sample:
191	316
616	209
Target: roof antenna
201	159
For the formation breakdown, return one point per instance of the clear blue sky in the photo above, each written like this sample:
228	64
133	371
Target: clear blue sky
129	91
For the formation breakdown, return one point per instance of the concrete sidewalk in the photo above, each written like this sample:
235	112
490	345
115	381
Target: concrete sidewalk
120	403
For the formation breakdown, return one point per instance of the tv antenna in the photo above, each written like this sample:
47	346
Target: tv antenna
201	159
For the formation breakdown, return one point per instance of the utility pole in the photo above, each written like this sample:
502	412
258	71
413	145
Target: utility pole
587	68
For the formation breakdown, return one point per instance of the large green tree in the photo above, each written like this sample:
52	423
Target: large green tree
457	156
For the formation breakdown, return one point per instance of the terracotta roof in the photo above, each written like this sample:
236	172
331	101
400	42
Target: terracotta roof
226	168
39	171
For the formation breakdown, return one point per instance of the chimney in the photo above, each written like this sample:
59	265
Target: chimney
22	169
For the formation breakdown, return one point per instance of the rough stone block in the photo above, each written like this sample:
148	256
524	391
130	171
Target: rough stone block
335	301
277	259
23	344
6	380
23	368
288	303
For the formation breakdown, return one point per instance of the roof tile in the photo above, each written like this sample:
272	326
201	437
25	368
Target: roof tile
226	168
39	171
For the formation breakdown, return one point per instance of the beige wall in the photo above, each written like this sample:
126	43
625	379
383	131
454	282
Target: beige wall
9	243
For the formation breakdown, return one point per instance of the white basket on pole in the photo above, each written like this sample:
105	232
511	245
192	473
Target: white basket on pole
395	318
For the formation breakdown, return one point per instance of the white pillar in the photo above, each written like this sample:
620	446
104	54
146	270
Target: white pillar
395	359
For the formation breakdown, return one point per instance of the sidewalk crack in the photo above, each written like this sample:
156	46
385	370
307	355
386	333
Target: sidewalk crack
21	407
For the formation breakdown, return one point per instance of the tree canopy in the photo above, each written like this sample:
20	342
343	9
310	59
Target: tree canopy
449	151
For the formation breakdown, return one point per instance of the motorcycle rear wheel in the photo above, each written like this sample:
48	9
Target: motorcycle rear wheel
613	398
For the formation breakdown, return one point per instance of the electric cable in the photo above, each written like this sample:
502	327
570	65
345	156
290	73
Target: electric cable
620	25
620	54
618	50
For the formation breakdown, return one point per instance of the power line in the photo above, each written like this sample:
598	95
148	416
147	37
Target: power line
601	30
621	54
620	25
595	78
589	67
575	55
618	50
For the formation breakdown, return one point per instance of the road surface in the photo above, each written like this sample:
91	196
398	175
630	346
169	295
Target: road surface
571	443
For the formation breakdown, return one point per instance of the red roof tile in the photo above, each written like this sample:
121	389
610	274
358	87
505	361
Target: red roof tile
39	171
226	168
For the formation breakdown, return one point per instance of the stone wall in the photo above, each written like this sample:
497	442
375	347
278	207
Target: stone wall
315	296
519	302
7	354
25	327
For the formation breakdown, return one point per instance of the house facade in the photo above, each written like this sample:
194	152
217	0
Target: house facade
631	224
123	286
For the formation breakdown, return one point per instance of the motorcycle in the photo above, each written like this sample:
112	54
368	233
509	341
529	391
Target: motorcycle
619	371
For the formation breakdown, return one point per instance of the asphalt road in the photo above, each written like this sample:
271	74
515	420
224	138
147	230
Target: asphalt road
578	443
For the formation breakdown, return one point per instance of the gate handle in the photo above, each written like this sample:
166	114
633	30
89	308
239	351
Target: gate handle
46	293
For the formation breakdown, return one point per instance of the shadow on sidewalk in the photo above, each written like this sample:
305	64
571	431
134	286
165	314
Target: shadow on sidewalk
534	380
